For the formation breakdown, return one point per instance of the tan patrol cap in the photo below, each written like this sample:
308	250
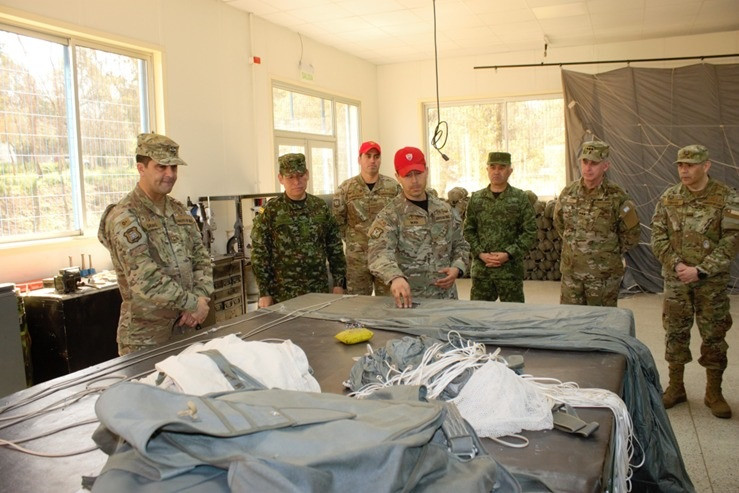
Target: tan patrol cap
692	154
160	148
594	150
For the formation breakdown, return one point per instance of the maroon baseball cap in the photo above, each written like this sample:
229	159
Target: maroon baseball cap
368	146
409	159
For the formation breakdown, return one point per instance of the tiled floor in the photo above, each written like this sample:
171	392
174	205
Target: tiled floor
708	444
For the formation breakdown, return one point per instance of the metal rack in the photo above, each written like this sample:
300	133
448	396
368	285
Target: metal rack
238	237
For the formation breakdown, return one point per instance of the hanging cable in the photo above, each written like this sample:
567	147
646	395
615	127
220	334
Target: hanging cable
438	141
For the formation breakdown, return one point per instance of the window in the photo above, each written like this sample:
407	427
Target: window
324	128
531	130
69	115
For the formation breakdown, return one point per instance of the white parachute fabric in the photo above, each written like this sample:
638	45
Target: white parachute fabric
498	402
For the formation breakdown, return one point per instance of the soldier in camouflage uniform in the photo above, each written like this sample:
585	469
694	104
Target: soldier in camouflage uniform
356	204
416	244
500	228
293	237
598	223
695	236
164	270
458	198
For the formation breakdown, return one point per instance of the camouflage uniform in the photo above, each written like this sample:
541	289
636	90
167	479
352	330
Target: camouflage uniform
503	224
597	228
407	241
355	207
161	264
701	230
291	241
458	198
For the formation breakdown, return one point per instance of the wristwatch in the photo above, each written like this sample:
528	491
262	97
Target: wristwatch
702	275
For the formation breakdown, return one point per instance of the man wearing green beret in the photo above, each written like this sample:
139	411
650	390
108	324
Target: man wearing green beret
292	239
695	236
164	271
598	223
500	226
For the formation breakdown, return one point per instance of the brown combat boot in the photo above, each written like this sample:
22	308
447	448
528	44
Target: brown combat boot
675	392
714	399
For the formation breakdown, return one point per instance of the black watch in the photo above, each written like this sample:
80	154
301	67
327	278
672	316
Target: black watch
702	275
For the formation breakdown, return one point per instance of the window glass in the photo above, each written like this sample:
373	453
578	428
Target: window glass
35	182
111	115
531	130
299	112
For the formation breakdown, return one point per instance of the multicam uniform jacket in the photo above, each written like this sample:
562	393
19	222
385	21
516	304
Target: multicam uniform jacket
161	264
407	241
503	224
701	230
291	241
597	228
355	207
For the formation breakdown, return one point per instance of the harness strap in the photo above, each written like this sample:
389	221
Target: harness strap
566	419
461	441
238	378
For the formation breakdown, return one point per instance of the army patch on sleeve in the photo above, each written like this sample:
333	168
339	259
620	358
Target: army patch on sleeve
337	202
132	234
376	232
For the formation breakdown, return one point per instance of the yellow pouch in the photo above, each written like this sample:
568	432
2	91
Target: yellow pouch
353	336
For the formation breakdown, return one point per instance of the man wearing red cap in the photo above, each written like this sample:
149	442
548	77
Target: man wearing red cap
356	204
416	244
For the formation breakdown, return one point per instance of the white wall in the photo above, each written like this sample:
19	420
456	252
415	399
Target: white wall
404	87
217	105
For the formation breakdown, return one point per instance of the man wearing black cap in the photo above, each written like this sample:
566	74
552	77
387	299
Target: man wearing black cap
164	270
355	205
416	244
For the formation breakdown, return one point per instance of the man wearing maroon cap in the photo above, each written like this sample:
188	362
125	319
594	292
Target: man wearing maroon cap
356	204
416	244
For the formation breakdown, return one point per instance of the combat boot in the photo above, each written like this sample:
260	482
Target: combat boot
714	399
675	392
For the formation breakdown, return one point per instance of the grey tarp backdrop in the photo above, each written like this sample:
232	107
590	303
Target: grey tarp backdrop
646	115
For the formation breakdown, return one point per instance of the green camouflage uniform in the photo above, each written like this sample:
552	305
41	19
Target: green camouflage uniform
407	241
161	264
597	228
503	224
355	207
701	230
291	241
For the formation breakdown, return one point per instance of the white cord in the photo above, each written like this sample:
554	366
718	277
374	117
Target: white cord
624	439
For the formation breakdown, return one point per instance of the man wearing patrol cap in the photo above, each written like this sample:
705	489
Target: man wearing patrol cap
355	205
501	228
598	223
164	270
416	244
293	238
695	236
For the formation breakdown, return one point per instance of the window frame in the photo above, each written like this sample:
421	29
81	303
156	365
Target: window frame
310	140
151	93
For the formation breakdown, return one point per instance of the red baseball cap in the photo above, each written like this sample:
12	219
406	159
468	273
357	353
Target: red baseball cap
368	146
409	159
